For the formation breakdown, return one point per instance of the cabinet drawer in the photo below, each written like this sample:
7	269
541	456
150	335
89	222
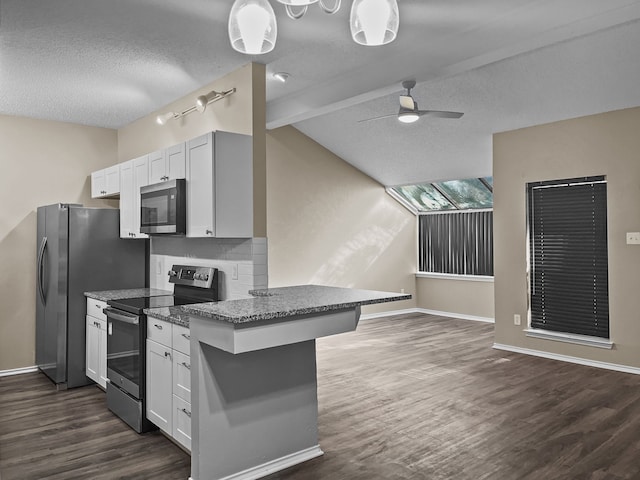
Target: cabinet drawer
181	339
182	422
159	331
182	375
95	307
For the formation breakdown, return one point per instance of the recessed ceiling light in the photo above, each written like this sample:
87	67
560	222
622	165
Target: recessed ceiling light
282	76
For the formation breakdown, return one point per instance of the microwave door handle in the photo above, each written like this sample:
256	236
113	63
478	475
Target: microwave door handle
40	280
121	317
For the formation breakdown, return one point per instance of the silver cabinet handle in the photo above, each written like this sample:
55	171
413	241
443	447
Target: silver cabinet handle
186	335
186	365
208	232
98	306
159	327
186	412
167	354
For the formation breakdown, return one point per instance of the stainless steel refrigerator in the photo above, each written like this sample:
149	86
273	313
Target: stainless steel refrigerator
79	250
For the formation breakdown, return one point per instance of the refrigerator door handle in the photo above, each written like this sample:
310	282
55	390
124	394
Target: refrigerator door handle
40	282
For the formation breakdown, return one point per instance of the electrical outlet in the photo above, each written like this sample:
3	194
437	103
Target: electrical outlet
402	290
159	269
633	238
234	271
516	319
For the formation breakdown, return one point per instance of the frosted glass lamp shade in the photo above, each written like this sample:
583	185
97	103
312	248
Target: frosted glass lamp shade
252	27
374	22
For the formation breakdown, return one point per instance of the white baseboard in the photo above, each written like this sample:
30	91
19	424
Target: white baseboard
390	313
566	358
275	465
18	371
460	316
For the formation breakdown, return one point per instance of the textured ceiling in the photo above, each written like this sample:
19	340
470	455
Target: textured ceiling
505	63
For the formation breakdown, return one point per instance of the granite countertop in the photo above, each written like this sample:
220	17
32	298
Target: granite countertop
170	314
277	303
106	295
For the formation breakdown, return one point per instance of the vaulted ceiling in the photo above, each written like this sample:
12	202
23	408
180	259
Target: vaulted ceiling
506	64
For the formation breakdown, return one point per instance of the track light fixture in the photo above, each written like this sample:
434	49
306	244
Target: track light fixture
253	28
201	105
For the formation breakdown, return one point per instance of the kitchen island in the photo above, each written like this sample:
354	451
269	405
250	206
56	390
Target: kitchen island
253	375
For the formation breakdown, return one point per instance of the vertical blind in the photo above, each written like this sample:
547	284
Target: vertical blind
456	243
569	262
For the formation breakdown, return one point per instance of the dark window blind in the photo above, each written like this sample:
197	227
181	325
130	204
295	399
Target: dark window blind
456	243
569	263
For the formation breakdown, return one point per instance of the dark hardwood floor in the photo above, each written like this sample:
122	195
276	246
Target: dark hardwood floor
406	397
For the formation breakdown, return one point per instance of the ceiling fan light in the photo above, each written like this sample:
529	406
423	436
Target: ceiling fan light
252	27
374	22
408	117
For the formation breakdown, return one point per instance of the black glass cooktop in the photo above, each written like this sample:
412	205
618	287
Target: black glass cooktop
138	304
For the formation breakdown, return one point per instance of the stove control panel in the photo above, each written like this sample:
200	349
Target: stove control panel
192	276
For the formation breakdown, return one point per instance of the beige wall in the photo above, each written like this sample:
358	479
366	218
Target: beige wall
43	162
330	224
606	144
456	296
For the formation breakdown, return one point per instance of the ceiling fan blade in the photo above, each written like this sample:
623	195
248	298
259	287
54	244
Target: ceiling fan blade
378	118
406	101
439	113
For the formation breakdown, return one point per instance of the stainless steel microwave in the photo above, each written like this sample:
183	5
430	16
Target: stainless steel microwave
163	207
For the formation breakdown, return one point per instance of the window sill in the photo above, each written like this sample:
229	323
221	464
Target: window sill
451	276
570	338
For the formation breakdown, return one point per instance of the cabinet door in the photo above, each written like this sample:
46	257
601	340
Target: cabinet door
157	167
233	185
126	199
102	354
200	198
182	422
182	375
98	185
159	386
140	179
112	180
92	349
175	161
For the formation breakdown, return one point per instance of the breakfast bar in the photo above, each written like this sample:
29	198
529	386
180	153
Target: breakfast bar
253	375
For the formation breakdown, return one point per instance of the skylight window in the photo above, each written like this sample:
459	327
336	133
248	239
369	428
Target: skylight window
465	194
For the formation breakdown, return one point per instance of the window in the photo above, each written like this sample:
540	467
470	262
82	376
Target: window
459	243
466	194
568	256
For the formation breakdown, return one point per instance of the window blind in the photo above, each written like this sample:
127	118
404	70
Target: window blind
456	243
568	256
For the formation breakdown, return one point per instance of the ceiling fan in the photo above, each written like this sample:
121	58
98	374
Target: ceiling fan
409	111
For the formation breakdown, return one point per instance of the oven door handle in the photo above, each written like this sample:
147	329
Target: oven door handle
114	314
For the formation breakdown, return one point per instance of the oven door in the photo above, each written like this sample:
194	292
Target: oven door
123	350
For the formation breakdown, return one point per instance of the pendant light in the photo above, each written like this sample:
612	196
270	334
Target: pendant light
374	22
252	27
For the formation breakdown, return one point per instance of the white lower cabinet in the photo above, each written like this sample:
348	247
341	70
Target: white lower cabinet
96	342
159	385
168	403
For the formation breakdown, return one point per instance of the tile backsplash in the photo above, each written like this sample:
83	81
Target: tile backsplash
241	263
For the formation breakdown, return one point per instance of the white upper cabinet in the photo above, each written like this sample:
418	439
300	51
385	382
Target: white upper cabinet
140	179
126	199
105	182
200	183
220	186
157	167
233	185
133	175
167	164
